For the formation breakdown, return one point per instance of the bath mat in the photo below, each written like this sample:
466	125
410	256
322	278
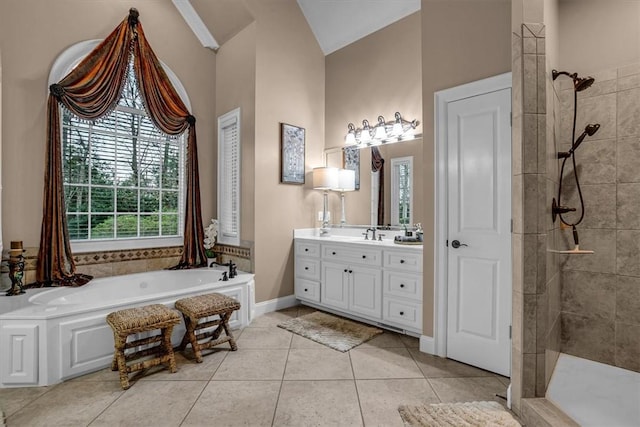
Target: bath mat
332	331
476	414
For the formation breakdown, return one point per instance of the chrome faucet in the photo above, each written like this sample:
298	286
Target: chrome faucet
373	233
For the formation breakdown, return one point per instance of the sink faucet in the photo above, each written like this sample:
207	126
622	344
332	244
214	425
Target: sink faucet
373	232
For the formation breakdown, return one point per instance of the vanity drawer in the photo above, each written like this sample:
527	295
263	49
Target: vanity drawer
403	285
404	313
305	248
307	290
346	254
308	268
407	261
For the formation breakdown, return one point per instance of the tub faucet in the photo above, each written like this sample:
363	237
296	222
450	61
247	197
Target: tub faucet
233	272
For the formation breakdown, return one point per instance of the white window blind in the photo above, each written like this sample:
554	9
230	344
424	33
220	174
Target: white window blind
229	177
123	178
402	190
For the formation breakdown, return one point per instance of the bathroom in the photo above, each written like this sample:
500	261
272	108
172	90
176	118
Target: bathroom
471	48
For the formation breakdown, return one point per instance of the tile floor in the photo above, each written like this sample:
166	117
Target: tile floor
276	378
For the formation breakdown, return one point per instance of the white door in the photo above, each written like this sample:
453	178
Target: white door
479	231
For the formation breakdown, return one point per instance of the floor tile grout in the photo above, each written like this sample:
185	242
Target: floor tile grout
364	401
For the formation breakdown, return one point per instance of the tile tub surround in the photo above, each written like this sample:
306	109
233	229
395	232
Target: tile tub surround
128	261
601	292
219	388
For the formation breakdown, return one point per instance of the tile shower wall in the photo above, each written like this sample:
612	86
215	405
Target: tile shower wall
600	308
536	281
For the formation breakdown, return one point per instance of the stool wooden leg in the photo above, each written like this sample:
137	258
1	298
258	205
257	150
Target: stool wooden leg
225	324
121	360
168	348
185	337
191	332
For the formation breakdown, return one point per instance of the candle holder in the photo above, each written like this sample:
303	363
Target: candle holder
16	269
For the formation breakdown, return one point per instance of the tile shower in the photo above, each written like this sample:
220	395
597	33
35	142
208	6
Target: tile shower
584	305
600	309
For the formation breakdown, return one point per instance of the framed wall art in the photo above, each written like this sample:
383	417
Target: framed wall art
291	154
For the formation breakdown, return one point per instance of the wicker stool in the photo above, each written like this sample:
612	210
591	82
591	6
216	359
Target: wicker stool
194	309
142	319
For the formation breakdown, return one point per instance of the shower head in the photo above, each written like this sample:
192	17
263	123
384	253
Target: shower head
579	83
582	83
589	130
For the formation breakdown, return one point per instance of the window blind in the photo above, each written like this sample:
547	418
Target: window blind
229	177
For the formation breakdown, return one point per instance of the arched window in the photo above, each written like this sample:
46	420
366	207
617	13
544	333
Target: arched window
123	178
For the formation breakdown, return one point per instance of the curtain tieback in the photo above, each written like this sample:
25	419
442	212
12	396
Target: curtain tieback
191	120
56	90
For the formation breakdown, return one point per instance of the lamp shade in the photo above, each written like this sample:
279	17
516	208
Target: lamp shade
325	178
346	180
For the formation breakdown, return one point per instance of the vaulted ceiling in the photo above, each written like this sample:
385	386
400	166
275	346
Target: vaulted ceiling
335	23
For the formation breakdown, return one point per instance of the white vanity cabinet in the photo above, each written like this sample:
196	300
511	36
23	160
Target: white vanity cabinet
403	289
376	283
307	270
352	287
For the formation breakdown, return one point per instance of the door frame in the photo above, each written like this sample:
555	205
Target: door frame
441	99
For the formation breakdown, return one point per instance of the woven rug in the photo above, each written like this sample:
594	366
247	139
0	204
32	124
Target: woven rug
332	331
475	414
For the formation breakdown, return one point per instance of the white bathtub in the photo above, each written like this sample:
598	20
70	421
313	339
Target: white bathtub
47	336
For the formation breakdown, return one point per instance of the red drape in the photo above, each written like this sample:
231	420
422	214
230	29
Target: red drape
90	91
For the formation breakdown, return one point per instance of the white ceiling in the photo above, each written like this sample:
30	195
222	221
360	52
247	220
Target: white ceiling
338	23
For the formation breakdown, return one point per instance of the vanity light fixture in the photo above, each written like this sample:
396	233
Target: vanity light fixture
383	132
346	182
325	178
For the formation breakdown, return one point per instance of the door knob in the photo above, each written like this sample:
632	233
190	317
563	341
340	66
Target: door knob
456	244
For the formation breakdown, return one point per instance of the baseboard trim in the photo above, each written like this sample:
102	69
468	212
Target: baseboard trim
427	344
275	304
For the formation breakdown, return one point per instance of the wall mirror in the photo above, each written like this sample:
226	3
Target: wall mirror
403	194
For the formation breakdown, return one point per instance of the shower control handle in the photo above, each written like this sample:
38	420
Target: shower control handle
456	244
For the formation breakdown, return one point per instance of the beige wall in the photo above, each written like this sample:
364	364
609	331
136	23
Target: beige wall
462	41
377	75
32	34
290	81
598	35
236	87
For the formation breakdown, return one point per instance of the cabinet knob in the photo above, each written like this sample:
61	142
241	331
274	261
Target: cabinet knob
306	290
306	249
402	313
333	253
345	270
350	271
364	256
402	285
306	268
401	261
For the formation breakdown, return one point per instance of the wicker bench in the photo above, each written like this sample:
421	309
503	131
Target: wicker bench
142	319
199	307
